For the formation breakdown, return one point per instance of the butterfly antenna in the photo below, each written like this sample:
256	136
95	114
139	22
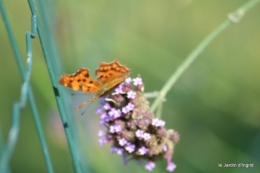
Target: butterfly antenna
86	102
84	111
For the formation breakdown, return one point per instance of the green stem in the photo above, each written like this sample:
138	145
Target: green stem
232	18
159	110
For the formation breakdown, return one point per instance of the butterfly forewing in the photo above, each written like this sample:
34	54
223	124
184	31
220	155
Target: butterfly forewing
80	81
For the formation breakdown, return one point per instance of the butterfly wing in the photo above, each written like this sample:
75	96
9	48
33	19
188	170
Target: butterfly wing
80	81
111	74
108	76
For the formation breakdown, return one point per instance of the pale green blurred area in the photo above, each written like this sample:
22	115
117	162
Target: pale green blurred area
215	106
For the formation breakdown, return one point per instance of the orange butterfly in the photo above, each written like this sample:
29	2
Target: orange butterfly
109	75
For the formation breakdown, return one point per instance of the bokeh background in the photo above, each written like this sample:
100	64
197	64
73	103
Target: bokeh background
215	105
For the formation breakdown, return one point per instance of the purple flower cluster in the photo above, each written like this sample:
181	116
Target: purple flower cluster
132	129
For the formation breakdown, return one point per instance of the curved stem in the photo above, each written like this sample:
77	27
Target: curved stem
232	18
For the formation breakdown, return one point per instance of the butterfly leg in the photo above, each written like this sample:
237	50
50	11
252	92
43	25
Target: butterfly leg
86	102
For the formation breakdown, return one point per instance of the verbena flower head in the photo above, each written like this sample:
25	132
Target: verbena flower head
132	130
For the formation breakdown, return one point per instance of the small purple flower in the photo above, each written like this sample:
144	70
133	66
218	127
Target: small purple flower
113	149
101	133
171	167
142	150
139	133
118	114
99	111
165	148
101	141
107	106
158	123
138	81
128	80
155	121
112	129
128	108
150	165
120	151
162	123
142	134
119	89
131	94
118	128
130	148
115	128
146	136
102	100
122	141
114	113
125	110
103	115
102	122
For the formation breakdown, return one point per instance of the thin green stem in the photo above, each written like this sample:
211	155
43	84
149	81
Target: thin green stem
159	110
232	18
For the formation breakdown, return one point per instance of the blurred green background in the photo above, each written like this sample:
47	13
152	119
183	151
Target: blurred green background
215	106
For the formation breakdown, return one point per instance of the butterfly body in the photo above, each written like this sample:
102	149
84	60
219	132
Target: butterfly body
108	76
